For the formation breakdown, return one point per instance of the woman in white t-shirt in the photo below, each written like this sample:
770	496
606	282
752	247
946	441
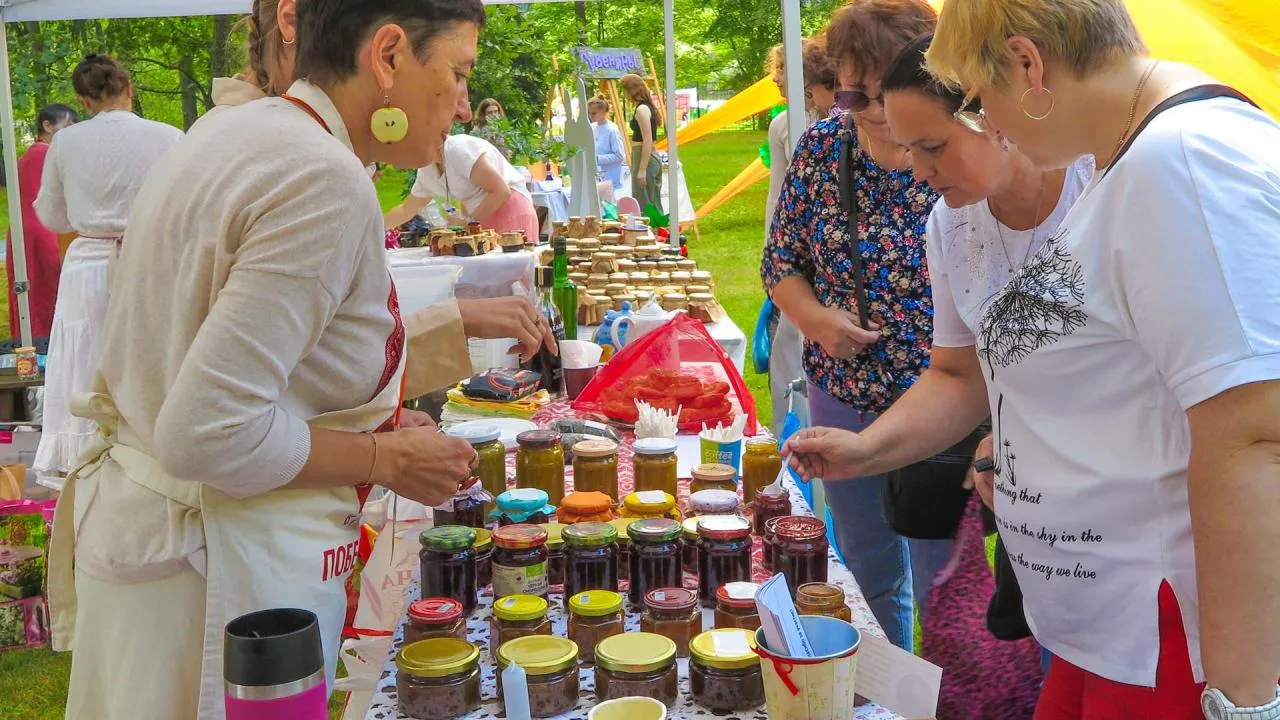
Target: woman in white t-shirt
473	176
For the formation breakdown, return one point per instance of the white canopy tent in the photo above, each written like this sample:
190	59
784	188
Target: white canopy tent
41	10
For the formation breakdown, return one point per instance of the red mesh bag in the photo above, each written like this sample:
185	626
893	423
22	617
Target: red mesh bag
677	366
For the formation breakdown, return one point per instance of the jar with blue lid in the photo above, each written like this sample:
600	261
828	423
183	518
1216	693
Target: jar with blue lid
523	506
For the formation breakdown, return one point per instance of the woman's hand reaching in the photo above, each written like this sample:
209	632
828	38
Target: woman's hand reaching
422	464
828	453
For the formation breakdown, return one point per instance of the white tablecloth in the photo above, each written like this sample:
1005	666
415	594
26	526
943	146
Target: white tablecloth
726	333
483	276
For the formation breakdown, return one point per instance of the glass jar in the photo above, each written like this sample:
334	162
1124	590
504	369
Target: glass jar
520	561
438	678
655	465
724	671
491	454
823	599
655	556
624	547
434	618
674	614
769	505
527	506
593	616
555	554
464	508
714	502
761	464
517	616
800	550
590	558
449	564
724	554
650	504
768	542
736	606
551	671
585	506
540	463
689	546
595	467
637	665
484	558
713	476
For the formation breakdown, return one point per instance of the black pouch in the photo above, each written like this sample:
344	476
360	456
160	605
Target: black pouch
926	500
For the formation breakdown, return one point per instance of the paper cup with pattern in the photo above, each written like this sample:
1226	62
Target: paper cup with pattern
812	688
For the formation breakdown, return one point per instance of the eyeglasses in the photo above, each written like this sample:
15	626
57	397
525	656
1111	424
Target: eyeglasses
975	120
856	100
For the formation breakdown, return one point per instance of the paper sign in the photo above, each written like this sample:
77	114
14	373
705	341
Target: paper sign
896	679
656	497
783	632
730	643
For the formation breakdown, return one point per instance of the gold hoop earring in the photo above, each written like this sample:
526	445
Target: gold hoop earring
288	42
389	125
1022	104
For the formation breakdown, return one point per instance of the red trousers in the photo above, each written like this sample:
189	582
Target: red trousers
1070	693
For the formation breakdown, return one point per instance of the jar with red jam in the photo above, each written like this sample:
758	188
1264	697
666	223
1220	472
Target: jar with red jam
520	561
800	550
655	556
673	613
769	505
724	554
435	618
736	606
624	546
768	541
448	561
590	558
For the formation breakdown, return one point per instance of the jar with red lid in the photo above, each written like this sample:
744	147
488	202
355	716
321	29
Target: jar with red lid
736	606
800	550
435	618
655	556
768	505
724	554
672	612
520	561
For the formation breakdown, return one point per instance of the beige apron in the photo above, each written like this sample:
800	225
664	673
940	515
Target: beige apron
285	548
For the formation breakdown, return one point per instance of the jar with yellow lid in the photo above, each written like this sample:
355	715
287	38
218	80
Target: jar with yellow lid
540	463
724	671
517	616
491	454
637	665
595	467
593	616
551	672
761	464
713	476
438	678
655	465
649	504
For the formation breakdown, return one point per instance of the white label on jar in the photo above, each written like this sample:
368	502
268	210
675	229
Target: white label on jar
530	580
732	643
654	497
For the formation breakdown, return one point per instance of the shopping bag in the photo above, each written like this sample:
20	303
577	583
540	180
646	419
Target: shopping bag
12	478
24	544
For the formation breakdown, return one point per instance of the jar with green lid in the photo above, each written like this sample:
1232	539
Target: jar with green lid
590	558
491	465
434	618
551	673
724	671
448	561
555	554
520	561
593	616
655	465
595	467
650	504
637	665
438	678
714	502
516	616
713	476
655	556
761	464
689	546
540	463
624	546
527	506
484	557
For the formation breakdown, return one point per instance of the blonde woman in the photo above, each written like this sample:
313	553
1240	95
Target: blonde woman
646	169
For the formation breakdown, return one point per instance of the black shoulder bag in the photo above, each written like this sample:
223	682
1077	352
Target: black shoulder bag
925	500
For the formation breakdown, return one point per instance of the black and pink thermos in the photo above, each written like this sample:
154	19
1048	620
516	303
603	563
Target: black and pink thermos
273	667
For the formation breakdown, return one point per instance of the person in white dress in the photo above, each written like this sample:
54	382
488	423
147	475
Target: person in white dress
93	171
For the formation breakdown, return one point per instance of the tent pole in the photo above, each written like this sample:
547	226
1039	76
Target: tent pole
673	165
19	259
793	54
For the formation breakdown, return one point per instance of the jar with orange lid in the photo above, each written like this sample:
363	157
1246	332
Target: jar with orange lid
672	612
736	606
655	465
823	599
520	561
540	463
800	550
761	464
595	467
585	506
713	476
435	617
649	504
517	616
724	554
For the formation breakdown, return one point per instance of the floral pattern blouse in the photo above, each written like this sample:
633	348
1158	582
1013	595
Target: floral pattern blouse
809	238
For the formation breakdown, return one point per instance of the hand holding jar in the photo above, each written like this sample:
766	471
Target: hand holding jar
421	464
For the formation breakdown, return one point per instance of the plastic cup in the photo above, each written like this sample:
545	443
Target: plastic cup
725	453
577	379
812	688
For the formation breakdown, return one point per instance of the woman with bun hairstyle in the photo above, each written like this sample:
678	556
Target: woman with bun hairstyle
92	172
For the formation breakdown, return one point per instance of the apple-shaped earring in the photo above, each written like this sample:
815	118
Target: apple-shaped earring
389	125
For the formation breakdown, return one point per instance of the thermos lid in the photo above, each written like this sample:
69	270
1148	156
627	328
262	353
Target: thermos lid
272	647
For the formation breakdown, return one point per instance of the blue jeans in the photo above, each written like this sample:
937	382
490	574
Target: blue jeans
892	571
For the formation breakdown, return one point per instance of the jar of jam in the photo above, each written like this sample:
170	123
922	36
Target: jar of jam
517	616
590	558
449	564
438	678
555	554
484	558
724	554
593	616
465	508
761	464
624	546
551	672
673	613
689	545
637	665
595	467
714	502
800	550
540	463
520	561
769	505
585	506
655	556
724	671
433	618
491	454
713	476
823	599
523	506
655	465
650	504
768	542
736	606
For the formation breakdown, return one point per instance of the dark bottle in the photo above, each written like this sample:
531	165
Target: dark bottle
546	362
564	291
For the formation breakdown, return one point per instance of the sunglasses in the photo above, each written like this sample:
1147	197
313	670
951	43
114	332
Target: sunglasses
975	120
856	100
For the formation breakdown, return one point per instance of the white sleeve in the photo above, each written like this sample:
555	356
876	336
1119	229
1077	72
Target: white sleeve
779	160
420	188
949	329
1199	245
51	203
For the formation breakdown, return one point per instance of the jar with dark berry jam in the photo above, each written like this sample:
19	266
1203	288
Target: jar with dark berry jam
769	504
551	673
520	561
449	564
655	557
433	618
555	554
438	678
689	545
800	550
624	546
484	558
523	506
637	665
724	671
724	554
466	508
768	542
590	557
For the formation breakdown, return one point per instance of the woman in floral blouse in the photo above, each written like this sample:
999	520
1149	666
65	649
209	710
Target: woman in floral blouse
855	373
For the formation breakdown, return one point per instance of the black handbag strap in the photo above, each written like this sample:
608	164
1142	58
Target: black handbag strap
849	200
1195	94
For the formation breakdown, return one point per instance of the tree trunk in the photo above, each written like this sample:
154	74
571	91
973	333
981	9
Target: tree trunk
39	69
219	53
190	110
